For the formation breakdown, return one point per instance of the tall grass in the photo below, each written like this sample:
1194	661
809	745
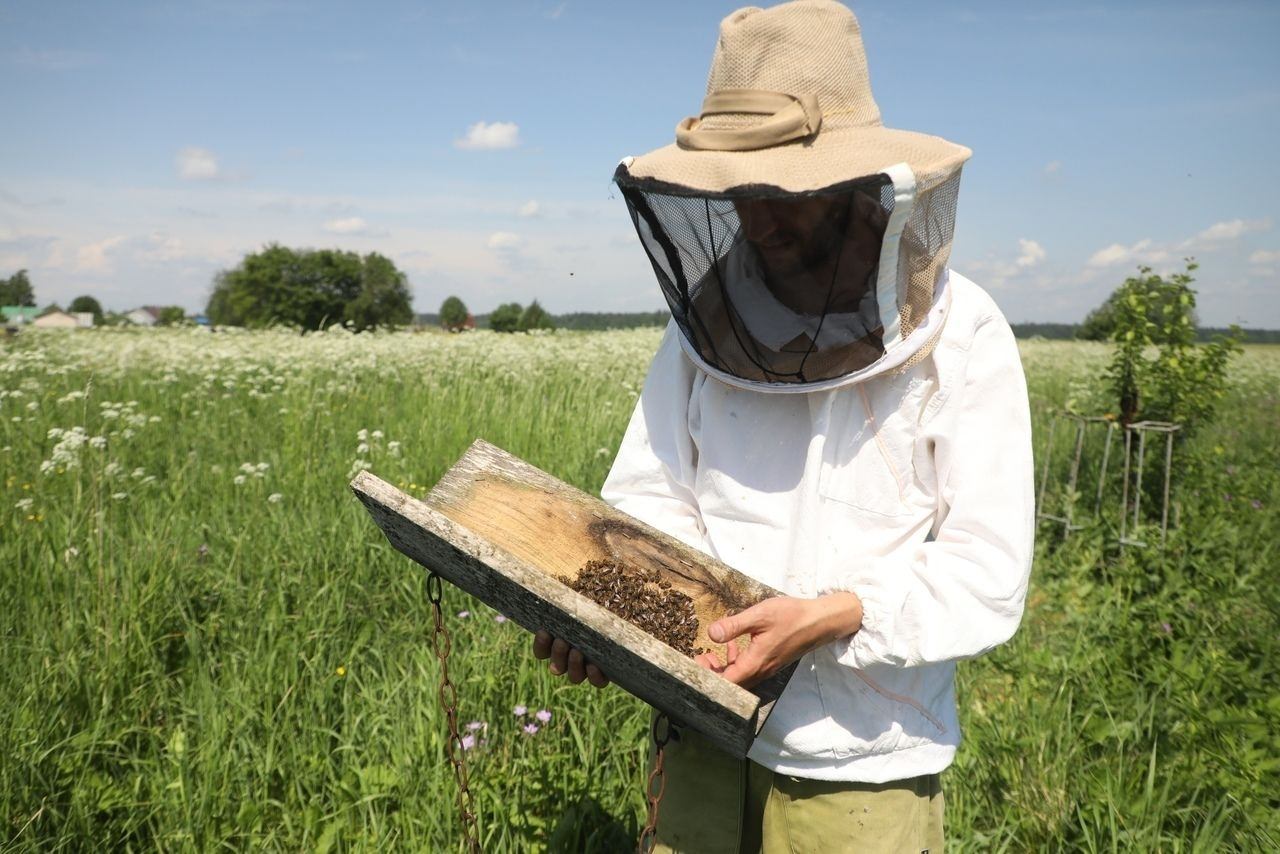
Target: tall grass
209	645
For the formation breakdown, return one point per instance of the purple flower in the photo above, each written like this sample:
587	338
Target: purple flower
500	618
1166	628
543	715
530	729
468	742
519	711
464	614
475	725
1255	504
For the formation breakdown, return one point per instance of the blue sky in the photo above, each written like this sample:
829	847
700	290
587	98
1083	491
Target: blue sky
150	144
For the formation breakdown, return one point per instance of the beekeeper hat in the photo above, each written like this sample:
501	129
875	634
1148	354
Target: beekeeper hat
789	121
789	105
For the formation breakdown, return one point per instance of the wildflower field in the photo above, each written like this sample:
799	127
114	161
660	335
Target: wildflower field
208	644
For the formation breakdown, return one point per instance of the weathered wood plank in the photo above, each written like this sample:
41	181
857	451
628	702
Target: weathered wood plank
510	535
558	528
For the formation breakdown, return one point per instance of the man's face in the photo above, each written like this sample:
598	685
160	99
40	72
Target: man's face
806	242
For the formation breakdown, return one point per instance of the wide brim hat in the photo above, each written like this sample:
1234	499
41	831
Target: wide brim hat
789	105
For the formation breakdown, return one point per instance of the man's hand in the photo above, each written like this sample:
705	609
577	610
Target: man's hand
567	659
782	629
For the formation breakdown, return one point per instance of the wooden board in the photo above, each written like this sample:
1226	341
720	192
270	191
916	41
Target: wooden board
511	535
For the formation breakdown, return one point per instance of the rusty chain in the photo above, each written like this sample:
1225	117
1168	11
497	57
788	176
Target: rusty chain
657	777
442	644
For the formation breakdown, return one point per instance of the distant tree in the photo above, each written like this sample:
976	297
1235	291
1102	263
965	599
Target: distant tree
50	309
453	314
310	289
89	304
384	297
171	315
1159	296
17	290
1182	382
506	317
535	317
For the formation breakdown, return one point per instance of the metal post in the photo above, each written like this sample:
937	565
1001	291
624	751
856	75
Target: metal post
1102	472
1071	483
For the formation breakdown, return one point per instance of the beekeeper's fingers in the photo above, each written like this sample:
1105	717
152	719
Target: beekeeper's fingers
577	666
559	657
596	676
542	645
749	621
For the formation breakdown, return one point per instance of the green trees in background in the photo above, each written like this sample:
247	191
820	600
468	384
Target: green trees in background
171	315
453	314
1157	295
506	317
535	317
512	317
1180	382
89	304
311	289
17	290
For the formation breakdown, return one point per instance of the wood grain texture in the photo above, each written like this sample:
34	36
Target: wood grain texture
511	535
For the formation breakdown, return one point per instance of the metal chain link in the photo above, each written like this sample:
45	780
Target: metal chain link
448	694
657	777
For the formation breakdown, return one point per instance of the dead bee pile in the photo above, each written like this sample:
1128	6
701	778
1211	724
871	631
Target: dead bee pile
642	599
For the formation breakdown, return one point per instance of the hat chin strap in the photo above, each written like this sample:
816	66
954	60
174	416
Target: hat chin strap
790	117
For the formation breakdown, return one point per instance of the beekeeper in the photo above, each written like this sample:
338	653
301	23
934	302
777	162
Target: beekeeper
835	413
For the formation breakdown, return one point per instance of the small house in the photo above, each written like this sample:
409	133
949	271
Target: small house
145	316
58	320
18	315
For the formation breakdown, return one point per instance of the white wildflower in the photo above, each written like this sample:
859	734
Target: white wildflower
98	442
119	496
275	498
239	480
24	503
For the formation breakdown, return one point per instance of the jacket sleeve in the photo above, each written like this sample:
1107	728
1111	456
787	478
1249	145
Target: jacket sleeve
962	593
653	472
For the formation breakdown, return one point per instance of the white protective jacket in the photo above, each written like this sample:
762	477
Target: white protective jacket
912	488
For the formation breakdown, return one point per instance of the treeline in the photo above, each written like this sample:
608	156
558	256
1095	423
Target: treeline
577	320
1204	334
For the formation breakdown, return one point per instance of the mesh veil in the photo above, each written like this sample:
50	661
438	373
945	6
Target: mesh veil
781	288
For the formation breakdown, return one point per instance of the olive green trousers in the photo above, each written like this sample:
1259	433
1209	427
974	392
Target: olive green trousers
715	804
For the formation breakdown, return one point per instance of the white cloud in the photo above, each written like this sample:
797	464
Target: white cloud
504	240
1265	256
350	225
559	10
1052	166
1142	252
162	247
1225	232
92	258
1032	253
529	208
197	164
490	135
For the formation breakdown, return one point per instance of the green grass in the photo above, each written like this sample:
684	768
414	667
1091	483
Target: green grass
191	665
